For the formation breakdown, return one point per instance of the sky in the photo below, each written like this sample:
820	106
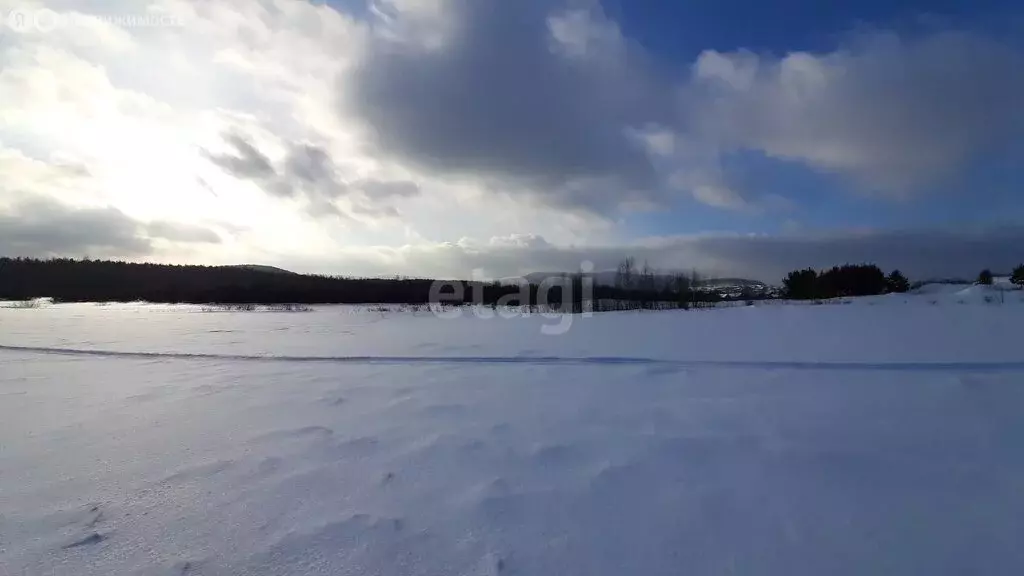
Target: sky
492	138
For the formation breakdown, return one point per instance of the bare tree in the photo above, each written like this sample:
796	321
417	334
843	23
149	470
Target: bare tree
683	289
624	278
695	280
647	285
647	277
625	273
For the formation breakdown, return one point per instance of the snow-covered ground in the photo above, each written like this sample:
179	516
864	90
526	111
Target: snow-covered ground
881	436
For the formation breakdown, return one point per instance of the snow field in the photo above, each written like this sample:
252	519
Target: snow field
904	459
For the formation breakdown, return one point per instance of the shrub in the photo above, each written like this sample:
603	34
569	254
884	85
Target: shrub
24	304
985	277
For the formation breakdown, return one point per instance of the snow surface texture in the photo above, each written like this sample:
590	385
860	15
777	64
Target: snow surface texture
878	437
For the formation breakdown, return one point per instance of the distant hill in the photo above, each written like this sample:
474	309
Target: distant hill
715	282
70	280
608	278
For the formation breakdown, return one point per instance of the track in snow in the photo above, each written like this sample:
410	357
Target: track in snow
539	360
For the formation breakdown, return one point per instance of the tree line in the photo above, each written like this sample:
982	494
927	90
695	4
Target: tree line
860	280
86	280
635	287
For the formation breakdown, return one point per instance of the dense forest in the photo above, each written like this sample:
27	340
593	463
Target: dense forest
842	281
70	280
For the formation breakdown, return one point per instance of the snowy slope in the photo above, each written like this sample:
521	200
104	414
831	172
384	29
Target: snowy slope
879	437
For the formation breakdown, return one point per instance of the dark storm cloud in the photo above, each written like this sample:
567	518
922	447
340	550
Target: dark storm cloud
501	98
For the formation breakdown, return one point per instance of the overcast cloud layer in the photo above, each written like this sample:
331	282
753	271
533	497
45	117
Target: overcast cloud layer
443	137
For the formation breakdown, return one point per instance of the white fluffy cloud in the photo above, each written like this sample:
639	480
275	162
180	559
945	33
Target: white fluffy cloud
896	114
386	142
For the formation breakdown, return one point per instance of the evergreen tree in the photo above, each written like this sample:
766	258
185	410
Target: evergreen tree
985	277
897	282
801	284
1018	276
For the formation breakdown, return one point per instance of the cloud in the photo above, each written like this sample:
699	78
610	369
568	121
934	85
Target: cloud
896	114
179	232
563	107
138	106
307	172
311	167
717	196
536	121
43	228
921	254
35	225
383	189
246	162
523	93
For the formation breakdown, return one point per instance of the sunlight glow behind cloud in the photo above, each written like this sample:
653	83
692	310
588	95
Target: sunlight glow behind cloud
292	132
